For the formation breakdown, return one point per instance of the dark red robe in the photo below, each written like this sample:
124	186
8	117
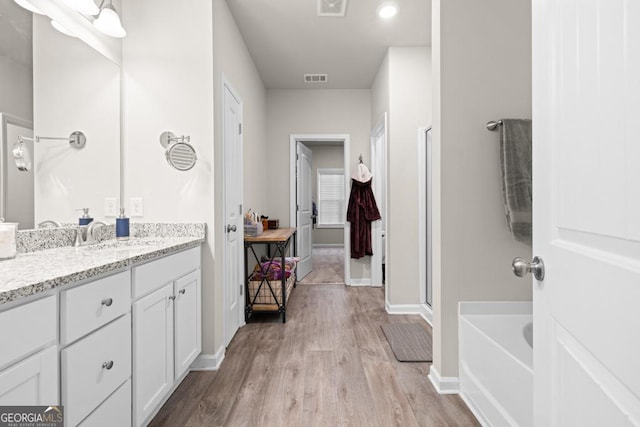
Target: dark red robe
361	212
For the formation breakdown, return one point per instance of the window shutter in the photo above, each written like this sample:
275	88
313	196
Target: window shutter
331	206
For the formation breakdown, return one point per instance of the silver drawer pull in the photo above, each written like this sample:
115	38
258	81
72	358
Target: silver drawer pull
182	291
172	297
108	365
107	302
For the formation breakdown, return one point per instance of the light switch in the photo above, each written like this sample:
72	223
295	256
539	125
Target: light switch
110	207
135	207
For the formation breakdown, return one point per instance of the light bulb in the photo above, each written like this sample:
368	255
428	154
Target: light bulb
108	22
387	10
61	28
86	7
27	5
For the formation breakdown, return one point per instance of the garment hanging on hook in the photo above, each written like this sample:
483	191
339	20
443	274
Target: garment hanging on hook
361	172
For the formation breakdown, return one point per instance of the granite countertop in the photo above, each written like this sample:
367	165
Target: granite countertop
34	272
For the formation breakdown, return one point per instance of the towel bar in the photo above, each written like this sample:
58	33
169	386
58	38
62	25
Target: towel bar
494	125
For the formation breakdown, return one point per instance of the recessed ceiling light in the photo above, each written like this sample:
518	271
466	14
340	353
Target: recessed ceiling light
387	10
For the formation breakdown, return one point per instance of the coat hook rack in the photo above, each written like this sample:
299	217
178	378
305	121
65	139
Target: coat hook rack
360	159
77	139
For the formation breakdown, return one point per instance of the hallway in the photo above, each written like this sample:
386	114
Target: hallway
327	266
329	365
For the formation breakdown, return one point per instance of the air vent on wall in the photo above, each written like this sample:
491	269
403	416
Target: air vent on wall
316	78
332	7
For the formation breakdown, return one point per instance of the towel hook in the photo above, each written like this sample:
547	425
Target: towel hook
493	125
360	160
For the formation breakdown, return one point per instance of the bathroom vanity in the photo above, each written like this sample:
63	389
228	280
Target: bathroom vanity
108	330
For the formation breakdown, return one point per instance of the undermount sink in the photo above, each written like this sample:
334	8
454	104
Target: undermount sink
123	244
527	331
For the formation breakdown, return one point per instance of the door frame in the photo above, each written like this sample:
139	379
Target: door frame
378	168
345	139
425	158
226	85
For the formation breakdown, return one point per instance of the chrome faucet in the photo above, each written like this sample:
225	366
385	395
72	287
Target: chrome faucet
54	224
84	234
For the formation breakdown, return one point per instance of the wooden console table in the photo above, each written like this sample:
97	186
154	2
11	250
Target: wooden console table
279	239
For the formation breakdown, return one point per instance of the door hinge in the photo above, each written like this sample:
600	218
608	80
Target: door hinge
297	207
241	289
240	209
240	128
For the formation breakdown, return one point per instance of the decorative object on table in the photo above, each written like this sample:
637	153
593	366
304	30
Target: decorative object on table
362	210
122	226
8	239
274	224
252	226
265	222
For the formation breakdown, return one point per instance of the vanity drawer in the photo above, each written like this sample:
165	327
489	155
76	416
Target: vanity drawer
87	307
115	411
151	276
94	367
27	328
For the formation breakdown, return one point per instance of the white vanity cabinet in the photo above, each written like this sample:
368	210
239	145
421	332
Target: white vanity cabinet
95	328
29	355
166	328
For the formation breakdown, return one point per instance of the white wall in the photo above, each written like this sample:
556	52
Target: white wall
168	86
482	72
232	59
326	156
403	89
74	88
313	112
16	87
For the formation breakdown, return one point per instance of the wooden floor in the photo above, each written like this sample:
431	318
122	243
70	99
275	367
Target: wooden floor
329	365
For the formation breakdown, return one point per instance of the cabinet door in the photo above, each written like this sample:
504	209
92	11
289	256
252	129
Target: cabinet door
188	340
33	381
152	351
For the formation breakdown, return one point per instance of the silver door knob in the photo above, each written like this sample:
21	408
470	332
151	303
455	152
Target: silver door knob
107	365
520	267
230	228
107	302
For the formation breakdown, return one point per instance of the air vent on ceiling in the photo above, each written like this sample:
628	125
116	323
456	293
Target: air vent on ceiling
316	78
332	7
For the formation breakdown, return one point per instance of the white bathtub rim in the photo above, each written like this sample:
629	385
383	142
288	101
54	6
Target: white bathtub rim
499	345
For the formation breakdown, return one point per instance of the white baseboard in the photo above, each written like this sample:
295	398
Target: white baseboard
208	362
422	309
443	385
360	282
328	245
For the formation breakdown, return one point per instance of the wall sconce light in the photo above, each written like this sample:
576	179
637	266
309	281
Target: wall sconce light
108	21
27	5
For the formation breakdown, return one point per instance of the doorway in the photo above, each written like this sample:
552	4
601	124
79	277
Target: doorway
299	211
378	228
425	182
232	211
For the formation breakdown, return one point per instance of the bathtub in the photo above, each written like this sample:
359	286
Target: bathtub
496	361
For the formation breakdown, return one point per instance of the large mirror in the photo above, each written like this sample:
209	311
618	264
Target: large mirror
56	84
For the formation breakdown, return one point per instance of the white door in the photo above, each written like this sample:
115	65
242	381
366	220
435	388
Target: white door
378	170
152	351
233	226
586	80
305	209
187	335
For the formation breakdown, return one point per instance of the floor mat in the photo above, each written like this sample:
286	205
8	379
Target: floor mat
410	342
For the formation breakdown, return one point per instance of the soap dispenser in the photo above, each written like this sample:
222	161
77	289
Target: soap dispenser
122	226
85	219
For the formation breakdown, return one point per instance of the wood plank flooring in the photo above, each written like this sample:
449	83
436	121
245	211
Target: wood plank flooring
329	365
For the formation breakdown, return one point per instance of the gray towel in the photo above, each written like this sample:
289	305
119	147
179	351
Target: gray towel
515	162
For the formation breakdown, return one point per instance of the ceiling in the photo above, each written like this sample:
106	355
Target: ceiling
287	39
15	33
